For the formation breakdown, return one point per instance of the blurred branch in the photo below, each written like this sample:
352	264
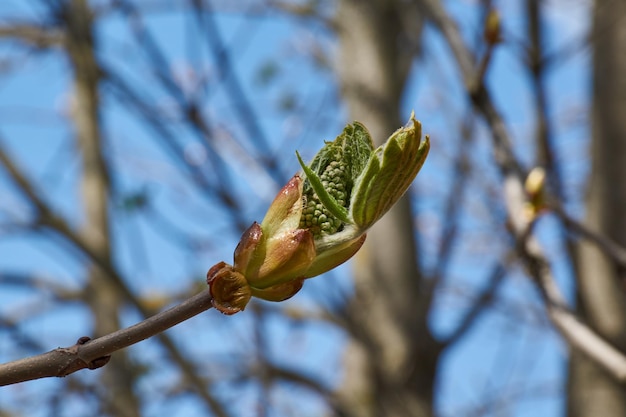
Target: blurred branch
191	110
38	36
536	66
46	217
304	10
605	244
479	304
492	38
241	102
154	120
546	152
33	281
298	377
479	96
577	333
499	402
93	354
25	341
56	223
452	212
102	296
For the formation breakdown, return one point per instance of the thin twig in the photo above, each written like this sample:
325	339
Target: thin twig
93	354
57	224
609	247
578	334
38	36
496	277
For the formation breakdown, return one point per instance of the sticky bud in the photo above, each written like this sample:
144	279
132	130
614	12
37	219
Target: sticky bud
316	224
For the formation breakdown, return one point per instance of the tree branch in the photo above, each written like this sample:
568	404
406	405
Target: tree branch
478	307
605	244
39	37
93	354
578	334
58	225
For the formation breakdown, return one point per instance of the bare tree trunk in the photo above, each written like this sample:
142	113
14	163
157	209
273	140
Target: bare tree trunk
601	292
102	296
392	360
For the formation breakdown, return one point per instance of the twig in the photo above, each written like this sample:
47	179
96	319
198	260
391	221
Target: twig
452	211
50	219
39	37
578	334
606	245
496	277
93	354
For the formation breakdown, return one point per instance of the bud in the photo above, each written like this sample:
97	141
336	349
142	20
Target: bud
492	29
388	174
270	259
535	187
316	224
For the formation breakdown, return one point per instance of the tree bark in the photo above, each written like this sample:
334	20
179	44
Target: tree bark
391	362
601	286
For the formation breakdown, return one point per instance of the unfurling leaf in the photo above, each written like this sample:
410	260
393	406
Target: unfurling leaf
316	224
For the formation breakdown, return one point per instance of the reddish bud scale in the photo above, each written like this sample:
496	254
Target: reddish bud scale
230	292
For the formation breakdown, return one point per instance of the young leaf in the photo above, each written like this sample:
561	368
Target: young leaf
327	200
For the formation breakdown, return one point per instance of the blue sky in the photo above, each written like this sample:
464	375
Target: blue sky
34	128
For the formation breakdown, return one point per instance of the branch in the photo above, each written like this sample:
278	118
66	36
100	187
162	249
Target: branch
57	224
577	333
241	102
93	354
131	99
37	36
571	328
191	109
25	341
452	212
605	244
48	218
478	307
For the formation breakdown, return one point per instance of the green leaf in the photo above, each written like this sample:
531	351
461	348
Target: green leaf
362	188
389	173
357	148
326	199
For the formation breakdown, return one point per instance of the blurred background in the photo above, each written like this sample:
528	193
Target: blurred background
139	138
